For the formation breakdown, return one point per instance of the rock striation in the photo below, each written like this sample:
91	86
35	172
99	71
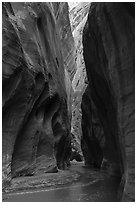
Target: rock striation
67	47
78	15
108	104
36	88
67	40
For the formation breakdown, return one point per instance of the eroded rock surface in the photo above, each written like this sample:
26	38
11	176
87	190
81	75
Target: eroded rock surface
36	88
78	16
67	41
108	103
61	11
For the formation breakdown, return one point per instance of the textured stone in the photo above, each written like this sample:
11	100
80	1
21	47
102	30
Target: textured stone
67	41
36	88
67	47
78	14
109	54
92	139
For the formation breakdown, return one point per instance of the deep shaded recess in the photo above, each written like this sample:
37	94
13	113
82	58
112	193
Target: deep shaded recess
42	110
57	61
47	106
63	155
90	145
46	109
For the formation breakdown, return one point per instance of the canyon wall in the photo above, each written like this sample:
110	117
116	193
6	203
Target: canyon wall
45	76
36	88
61	11
78	15
108	104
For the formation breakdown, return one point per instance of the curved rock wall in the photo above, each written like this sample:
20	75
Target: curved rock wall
67	41
36	121
61	11
92	139
109	54
78	15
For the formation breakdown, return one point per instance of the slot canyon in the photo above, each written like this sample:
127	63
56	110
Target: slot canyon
68	101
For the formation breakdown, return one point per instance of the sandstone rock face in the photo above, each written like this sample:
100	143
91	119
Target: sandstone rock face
61	11
67	41
108	102
36	88
78	16
92	139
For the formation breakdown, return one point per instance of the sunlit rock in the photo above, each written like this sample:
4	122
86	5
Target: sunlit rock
78	12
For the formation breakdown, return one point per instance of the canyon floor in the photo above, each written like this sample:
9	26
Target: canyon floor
77	184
